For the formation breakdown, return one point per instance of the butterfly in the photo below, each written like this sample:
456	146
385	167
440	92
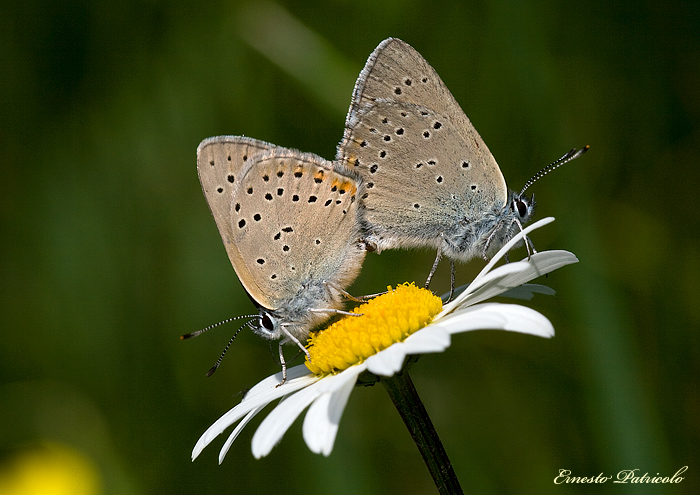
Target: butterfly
430	180
290	224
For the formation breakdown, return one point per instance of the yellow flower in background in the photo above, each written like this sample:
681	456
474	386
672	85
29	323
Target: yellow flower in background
49	469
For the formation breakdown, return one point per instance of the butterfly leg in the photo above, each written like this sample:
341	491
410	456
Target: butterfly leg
331	311
435	265
283	363
288	338
452	280
347	295
528	243
487	244
291	338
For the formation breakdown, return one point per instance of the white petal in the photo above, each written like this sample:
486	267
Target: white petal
542	263
464	291
388	361
430	339
498	273
272	382
528	291
511	275
537	265
511	244
236	431
469	319
497	276
258	396
496	316
317	425
323	417
494	283
276	424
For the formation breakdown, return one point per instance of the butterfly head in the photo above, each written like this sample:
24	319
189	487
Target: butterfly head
522	207
295	316
268	325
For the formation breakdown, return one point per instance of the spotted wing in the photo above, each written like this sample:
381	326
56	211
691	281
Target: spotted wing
424	164
295	226
220	161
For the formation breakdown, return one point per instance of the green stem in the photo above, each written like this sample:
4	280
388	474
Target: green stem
404	396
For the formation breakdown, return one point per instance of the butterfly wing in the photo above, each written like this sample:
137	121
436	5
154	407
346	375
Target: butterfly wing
220	161
396	71
427	170
295	216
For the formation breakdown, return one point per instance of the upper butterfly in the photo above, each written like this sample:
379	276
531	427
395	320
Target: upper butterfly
289	222
430	179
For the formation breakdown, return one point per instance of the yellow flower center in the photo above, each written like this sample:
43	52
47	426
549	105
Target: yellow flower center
385	320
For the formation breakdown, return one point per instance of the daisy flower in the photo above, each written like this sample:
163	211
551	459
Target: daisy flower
403	322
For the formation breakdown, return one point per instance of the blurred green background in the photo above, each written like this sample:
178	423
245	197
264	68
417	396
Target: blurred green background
108	251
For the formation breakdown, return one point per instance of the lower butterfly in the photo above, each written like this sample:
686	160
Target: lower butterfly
290	224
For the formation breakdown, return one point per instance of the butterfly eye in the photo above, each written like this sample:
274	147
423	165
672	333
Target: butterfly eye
521	207
267	322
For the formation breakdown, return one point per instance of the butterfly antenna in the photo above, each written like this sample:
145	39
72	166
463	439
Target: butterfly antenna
200	332
223	353
568	156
